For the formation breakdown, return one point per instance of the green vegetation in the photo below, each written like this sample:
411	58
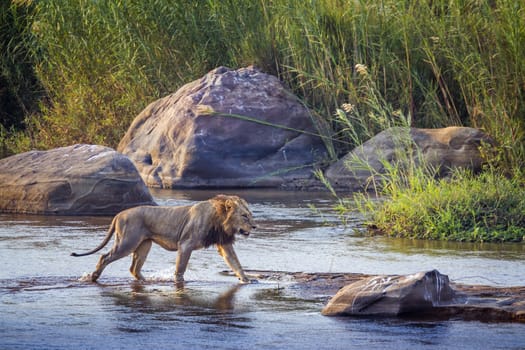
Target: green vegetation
80	71
483	208
91	66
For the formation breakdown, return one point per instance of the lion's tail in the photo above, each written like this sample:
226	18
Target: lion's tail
111	231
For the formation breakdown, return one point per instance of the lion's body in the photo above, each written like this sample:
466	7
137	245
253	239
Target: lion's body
182	229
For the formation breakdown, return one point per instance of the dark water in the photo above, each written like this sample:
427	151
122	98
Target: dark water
45	305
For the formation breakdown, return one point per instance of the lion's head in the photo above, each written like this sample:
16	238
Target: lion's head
239	218
232	217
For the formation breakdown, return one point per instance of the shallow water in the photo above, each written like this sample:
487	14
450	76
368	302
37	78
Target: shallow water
44	304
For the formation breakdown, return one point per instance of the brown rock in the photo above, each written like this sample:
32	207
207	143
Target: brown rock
442	149
391	295
190	138
74	180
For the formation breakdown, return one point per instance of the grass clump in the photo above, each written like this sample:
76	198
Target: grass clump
487	207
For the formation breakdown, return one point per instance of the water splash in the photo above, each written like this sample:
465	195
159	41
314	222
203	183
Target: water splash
164	275
86	277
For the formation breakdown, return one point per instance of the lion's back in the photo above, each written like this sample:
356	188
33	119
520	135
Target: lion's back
188	222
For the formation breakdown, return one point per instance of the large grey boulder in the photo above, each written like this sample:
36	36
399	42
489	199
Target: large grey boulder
199	136
74	180
442	149
392	295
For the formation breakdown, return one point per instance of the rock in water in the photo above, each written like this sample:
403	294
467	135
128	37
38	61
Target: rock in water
74	180
391	295
231	128
442	149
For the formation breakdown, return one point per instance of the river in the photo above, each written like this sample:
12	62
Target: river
46	305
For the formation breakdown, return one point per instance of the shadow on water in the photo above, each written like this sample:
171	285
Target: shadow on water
510	251
154	304
152	299
261	196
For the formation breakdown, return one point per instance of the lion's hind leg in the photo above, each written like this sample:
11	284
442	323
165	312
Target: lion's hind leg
120	249
139	257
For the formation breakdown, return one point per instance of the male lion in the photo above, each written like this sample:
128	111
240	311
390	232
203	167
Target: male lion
183	228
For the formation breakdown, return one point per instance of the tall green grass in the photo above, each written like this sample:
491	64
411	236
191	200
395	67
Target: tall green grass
20	90
440	62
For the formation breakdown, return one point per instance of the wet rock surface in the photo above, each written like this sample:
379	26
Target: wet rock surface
74	180
231	128
468	302
443	149
392	295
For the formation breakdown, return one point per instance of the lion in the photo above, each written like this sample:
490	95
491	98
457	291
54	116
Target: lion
182	229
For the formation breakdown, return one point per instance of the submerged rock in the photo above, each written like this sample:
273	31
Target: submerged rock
231	128
392	295
442	149
74	180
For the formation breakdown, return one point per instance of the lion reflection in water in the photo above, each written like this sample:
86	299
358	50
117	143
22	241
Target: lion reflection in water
182	229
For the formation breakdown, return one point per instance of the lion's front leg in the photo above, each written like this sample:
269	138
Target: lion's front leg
227	252
183	256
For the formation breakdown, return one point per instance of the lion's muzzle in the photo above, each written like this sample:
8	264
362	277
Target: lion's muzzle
248	231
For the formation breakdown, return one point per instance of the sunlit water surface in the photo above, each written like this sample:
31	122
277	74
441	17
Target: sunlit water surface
45	305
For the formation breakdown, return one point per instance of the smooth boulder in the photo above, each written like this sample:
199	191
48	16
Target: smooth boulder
74	180
231	128
392	295
442	149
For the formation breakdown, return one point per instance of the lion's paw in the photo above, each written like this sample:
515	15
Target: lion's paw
86	277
